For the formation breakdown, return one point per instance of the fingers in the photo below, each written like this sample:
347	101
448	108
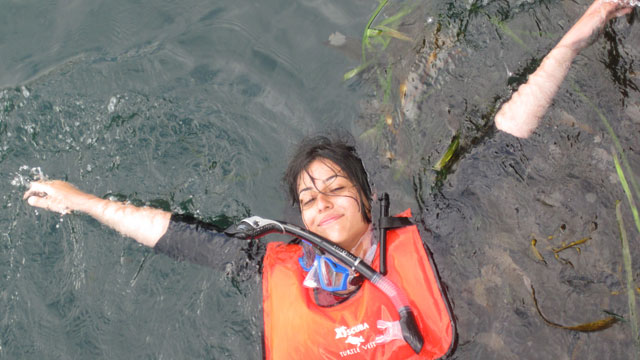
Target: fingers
624	11
44	201
37	198
55	195
41	194
36	188
37	201
32	193
615	9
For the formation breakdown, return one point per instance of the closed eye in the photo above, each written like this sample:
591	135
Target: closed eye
308	201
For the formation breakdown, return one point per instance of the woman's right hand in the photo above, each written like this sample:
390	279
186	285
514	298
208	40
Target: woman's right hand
55	195
146	225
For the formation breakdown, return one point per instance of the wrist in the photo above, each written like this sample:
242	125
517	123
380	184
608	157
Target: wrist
85	203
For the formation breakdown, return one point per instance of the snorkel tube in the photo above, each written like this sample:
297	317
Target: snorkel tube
257	227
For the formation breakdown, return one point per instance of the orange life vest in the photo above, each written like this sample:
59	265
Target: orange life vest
297	328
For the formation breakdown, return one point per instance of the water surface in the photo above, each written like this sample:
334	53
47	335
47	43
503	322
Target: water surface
194	107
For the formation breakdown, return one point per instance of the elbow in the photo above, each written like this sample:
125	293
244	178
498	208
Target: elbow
518	127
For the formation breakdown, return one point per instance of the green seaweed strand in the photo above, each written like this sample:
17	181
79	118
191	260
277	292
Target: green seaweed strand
626	258
616	141
397	16
627	191
365	36
507	30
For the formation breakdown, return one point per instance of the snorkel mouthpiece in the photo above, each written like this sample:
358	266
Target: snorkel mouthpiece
410	331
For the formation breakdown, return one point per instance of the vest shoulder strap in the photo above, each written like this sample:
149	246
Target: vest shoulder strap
392	222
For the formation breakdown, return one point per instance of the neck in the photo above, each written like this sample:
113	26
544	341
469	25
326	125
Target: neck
363	244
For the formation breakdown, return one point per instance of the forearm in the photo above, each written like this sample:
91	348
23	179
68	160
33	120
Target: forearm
522	113
144	224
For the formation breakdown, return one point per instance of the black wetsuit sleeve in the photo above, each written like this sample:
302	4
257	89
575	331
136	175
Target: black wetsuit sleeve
198	242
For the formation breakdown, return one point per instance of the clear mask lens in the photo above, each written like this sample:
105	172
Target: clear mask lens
323	271
333	276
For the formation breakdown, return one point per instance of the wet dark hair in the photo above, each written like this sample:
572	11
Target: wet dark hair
340	152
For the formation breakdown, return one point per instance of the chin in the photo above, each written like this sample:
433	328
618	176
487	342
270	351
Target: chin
335	239
339	241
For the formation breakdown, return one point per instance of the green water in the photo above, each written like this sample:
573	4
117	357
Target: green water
194	107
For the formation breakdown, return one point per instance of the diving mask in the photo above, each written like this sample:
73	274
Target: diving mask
324	271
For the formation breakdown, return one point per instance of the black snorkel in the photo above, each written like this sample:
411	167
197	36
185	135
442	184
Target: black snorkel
257	227
384	213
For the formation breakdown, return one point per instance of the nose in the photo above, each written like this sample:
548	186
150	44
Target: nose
323	201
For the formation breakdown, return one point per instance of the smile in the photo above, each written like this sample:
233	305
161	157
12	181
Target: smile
329	219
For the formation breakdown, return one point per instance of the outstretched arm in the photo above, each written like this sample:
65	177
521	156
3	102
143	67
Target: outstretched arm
522	113
145	225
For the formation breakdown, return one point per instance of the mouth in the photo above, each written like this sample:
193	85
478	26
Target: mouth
328	220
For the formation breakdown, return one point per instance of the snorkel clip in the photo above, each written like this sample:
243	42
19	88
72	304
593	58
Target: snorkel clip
254	227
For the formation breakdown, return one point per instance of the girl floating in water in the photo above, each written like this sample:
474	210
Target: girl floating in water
314	305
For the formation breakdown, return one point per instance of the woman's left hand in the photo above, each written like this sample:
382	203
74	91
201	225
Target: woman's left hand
588	28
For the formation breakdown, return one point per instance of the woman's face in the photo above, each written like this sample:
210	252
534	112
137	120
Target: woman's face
330	204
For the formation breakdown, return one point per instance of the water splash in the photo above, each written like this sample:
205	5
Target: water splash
625	2
25	92
25	175
112	104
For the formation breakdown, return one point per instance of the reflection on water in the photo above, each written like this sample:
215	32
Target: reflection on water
193	108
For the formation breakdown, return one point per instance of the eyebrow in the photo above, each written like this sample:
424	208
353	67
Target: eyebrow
330	178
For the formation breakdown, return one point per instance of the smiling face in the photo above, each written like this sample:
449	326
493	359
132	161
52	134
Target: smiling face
330	203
